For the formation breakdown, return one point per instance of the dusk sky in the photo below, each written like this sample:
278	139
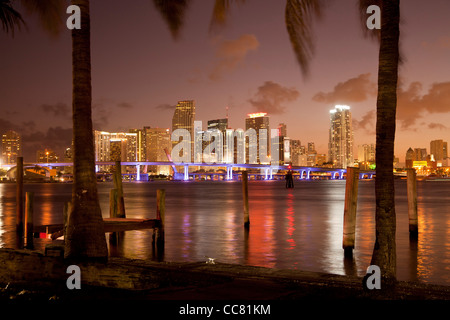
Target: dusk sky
139	73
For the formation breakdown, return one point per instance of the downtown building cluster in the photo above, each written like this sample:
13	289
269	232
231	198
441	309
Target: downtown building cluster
274	146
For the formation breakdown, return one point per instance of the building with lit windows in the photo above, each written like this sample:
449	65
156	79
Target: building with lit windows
11	147
340	145
120	146
158	140
183	118
46	156
256	142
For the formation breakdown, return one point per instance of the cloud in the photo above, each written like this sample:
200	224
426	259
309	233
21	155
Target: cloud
55	138
166	106
413	105
58	110
355	89
125	105
230	54
367	122
442	42
271	96
435	125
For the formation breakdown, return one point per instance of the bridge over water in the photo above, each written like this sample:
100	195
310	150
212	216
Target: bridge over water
231	171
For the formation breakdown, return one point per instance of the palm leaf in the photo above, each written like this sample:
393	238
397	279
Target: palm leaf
299	15
173	12
50	13
9	17
220	13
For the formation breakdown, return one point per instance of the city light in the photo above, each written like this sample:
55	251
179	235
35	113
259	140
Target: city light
257	115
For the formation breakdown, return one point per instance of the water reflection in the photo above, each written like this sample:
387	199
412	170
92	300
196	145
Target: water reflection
289	228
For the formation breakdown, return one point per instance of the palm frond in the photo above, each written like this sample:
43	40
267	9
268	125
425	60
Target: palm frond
221	12
50	13
173	12
299	15
9	17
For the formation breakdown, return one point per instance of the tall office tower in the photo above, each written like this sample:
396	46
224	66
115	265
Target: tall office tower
438	148
420	154
366	153
140	143
284	147
295	152
183	118
158	140
46	156
120	146
340	145
257	121
11	147
283	129
221	125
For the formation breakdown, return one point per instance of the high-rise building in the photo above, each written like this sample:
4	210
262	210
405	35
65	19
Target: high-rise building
46	156
158	141
366	153
296	152
11	147
438	148
120	146
221	125
183	118
257	121
340	146
420	154
140	143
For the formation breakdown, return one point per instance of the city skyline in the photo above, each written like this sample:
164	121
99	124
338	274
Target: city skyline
248	67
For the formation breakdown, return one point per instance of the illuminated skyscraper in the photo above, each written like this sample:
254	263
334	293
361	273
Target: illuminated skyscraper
340	145
11	147
257	121
438	148
158	139
183	118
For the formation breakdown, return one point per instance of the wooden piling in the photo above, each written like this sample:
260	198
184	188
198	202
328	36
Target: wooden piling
119	187
351	199
160	215
66	213
245	197
19	195
28	232
411	187
113	203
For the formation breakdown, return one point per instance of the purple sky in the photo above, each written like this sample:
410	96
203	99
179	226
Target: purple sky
139	73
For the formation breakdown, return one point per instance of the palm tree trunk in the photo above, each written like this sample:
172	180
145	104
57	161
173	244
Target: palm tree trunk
85	237
384	253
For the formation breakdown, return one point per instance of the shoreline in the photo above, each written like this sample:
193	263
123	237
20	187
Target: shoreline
27	275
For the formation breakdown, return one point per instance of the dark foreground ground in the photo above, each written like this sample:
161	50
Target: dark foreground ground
177	288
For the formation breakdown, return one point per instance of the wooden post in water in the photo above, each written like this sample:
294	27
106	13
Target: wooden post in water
28	233
119	187
113	211
66	213
19	195
411	189
160	215
351	199
113	203
245	197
